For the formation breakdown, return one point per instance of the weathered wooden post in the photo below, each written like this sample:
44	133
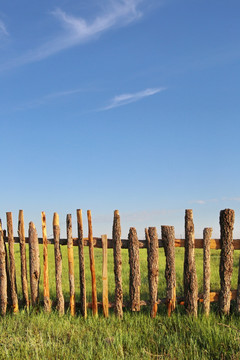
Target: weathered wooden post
21	234
190	274
71	265
12	263
3	275
152	259
83	300
105	275
207	234
134	275
58	264
117	244
238	288
168	237
46	293
34	259
227	217
92	265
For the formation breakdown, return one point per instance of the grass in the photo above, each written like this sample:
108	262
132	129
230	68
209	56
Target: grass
37	335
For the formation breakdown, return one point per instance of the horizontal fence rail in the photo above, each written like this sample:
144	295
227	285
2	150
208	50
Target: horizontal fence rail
97	242
191	298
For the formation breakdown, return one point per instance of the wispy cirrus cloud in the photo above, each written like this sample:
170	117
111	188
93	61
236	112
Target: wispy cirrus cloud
125	99
45	99
3	29
76	30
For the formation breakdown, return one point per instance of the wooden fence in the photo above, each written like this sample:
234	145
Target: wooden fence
8	289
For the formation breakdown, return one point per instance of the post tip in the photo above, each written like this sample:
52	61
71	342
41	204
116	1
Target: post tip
55	219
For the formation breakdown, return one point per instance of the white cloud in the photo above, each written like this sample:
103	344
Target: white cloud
3	29
47	98
77	30
125	99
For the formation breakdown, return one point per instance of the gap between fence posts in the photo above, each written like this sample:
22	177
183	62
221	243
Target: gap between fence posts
104	276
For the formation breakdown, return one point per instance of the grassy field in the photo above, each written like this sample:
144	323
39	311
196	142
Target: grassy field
37	335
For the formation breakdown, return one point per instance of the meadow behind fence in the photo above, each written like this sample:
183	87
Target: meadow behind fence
30	279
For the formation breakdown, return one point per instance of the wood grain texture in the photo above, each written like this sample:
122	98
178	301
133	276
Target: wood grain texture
92	265
21	234
152	260
104	276
80	243
34	260
134	274
58	264
12	267
71	265
117	256
226	220
190	274
46	293
3	275
207	234
168	236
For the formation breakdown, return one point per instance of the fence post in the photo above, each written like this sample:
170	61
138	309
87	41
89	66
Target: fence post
134	276
190	274
34	259
3	274
12	263
117	244
46	295
105	275
83	299
226	258
207	234
21	234
92	265
58	264
71	264
152	259
168	237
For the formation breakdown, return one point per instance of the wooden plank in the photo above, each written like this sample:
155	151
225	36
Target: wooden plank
117	244
168	236
12	263
46	293
104	276
34	260
134	275
152	260
80	242
3	275
207	234
71	265
58	264
92	265
226	220
21	233
190	274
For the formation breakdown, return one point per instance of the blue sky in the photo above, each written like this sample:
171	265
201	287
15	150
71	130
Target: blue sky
120	104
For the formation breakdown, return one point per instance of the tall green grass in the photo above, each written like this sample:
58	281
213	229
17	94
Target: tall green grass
37	335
